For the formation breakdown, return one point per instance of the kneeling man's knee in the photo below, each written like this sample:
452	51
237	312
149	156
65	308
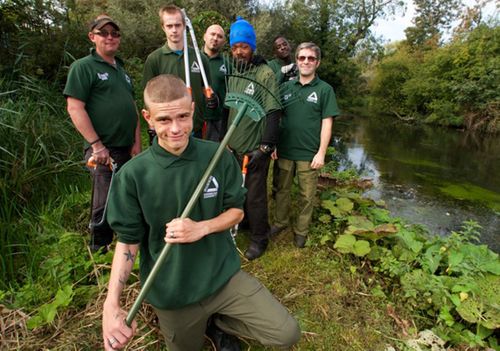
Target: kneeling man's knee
290	334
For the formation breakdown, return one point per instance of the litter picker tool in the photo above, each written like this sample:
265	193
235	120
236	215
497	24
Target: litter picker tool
186	63
207	90
244	170
247	97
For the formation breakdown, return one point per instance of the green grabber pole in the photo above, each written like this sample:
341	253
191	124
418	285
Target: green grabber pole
242	109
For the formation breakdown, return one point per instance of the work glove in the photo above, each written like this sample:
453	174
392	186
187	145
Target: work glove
259	155
213	102
289	71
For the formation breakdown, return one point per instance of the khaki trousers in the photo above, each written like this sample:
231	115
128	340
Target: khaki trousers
244	307
308	183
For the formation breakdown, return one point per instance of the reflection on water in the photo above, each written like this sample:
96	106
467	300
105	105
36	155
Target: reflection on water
428	175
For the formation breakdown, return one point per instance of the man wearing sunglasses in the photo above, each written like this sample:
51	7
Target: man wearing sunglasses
100	102
305	132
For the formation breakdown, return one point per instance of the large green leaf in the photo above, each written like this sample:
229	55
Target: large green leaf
483	307
330	206
344	204
345	243
361	248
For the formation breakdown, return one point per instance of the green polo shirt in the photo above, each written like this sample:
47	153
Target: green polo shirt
300	129
247	136
108	95
218	69
276	65
152	189
165	61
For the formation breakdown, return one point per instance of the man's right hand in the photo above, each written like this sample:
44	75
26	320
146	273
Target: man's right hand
115	333
100	154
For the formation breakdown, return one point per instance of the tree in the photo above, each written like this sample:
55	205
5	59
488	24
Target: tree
432	17
337	27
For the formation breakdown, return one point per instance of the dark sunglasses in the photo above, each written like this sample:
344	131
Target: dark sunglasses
309	58
104	33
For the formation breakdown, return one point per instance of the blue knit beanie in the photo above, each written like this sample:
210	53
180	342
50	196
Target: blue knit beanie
242	32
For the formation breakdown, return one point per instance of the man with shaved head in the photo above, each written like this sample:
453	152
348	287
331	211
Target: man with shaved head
201	278
216	119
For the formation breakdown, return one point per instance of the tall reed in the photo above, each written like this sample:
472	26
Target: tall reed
39	157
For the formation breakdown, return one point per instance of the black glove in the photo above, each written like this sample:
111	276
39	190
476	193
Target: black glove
213	102
259	155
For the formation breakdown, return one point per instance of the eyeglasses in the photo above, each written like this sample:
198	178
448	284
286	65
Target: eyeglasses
104	33
309	58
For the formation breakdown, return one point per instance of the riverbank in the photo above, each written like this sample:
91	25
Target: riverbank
339	287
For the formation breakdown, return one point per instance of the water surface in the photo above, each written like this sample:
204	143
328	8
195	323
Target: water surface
430	175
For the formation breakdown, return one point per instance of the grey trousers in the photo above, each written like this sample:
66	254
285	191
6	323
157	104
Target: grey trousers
244	307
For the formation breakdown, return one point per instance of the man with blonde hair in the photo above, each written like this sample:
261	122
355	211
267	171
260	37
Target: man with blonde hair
169	59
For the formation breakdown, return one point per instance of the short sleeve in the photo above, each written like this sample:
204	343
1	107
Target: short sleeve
79	81
124	213
330	107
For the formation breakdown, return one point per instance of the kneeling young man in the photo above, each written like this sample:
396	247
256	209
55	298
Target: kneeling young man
305	132
201	276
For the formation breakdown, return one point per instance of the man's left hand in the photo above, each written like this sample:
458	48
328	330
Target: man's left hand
318	161
184	230
213	102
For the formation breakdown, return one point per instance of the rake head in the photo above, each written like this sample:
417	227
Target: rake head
251	89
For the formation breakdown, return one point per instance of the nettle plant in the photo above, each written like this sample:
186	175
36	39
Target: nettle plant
451	280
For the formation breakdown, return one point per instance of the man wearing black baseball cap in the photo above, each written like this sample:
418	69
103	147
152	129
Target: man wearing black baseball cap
100	102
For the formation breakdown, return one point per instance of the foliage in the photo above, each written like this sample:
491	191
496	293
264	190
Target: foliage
451	281
431	18
455	85
39	151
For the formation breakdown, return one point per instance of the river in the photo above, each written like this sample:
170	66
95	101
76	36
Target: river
428	175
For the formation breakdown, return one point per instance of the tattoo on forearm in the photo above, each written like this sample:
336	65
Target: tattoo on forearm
129	255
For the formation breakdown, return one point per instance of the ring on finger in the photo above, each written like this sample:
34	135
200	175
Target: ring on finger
112	341
172	234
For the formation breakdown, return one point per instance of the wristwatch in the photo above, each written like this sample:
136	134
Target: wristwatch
267	149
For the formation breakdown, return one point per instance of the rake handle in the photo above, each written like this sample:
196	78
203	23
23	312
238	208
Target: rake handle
187	210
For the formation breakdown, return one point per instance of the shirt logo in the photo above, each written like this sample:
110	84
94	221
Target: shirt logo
250	89
223	69
211	188
313	98
127	78
103	76
195	68
287	96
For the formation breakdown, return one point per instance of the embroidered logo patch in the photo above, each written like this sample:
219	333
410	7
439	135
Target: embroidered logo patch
250	89
211	188
313	98
195	68
287	96
103	76
127	78
223	69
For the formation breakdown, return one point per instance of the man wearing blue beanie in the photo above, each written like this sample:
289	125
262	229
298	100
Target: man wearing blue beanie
257	140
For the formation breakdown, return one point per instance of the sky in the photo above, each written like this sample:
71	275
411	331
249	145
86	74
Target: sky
393	29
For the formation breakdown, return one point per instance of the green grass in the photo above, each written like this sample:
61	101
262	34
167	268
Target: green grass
40	152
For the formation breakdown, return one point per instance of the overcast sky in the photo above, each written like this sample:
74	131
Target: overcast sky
393	29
